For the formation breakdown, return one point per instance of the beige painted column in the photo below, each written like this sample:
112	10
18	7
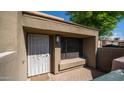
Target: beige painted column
89	50
56	55
21	49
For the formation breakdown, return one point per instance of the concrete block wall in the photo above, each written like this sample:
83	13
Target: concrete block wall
105	57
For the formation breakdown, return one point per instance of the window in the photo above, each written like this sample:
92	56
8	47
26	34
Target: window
71	48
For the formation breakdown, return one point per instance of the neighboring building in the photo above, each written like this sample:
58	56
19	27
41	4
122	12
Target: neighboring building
121	43
32	43
110	42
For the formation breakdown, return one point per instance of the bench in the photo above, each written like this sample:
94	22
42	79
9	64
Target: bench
69	63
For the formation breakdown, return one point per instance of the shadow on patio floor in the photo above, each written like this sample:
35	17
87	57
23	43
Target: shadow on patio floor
79	74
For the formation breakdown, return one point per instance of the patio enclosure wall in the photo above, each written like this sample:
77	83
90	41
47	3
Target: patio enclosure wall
106	55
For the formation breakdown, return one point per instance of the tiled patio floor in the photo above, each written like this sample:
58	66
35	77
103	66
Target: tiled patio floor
77	74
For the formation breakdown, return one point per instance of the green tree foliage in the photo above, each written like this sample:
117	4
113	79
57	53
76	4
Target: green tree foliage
104	20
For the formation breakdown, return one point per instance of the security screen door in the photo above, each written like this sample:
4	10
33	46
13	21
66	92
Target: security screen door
38	54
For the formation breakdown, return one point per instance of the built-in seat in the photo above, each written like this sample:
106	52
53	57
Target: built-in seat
69	63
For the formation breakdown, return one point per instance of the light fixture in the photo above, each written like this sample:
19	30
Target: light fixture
57	38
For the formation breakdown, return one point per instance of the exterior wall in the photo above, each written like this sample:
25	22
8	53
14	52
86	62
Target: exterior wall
7	67
21	50
121	43
115	43
8	42
89	50
55	26
108	42
64	29
8	31
12	38
11	33
56	55
99	44
105	57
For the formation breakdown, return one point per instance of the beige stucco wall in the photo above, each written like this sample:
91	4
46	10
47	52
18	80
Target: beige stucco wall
11	39
8	31
21	50
89	36
55	26
89	50
8	42
56	55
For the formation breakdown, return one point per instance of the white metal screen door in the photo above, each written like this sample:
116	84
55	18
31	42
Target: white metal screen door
38	54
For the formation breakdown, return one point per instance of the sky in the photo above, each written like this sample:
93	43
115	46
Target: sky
117	32
61	14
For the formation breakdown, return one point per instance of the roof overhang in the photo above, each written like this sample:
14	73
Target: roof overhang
36	20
